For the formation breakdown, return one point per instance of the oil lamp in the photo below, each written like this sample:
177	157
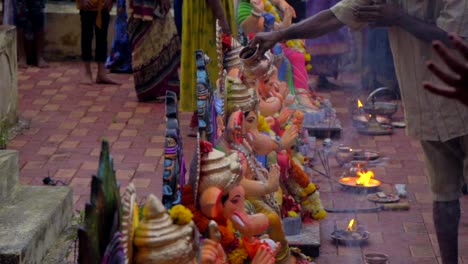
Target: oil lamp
352	235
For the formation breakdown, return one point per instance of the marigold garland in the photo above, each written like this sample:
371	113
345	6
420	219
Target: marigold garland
321	214
238	255
299	175
292	214
180	215
262	126
310	188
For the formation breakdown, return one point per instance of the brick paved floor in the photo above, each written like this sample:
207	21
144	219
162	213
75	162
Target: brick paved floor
68	120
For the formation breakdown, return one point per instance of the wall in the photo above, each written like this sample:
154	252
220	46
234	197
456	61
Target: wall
63	31
8	78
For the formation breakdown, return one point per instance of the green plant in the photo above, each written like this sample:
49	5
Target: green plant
4	133
4	129
72	237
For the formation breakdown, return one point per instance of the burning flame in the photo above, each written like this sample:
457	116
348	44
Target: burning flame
351	225
364	177
359	104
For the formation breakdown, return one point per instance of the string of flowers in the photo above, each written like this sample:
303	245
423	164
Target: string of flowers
231	244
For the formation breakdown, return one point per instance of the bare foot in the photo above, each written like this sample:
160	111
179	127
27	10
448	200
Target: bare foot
22	63
41	63
105	80
88	80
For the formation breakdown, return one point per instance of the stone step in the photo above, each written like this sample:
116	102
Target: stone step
8	173
308	240
30	221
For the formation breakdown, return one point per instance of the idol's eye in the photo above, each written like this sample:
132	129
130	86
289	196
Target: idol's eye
235	200
251	120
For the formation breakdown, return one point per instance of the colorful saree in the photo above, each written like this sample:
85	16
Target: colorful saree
199	32
120	58
155	55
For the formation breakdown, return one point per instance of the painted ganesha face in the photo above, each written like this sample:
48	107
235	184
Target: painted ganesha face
250	122
233	204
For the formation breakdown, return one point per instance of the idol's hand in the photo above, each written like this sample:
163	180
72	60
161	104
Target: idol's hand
265	255
285	7
258	6
289	137
212	253
273	178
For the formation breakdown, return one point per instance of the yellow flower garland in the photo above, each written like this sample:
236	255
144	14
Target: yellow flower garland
262	124
238	255
270	8
180	215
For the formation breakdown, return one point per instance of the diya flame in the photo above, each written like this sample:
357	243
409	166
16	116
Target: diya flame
359	104
351	225
364	177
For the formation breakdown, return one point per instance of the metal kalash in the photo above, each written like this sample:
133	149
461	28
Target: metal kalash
374	109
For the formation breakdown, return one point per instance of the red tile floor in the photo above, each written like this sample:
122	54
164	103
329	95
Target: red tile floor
68	120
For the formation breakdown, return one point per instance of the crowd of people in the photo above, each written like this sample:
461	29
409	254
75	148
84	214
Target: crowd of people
158	46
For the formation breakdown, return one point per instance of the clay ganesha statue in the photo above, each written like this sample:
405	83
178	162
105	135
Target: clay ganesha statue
215	194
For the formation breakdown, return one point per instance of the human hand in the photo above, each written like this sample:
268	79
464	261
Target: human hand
263	41
212	253
289	137
457	80
265	255
382	15
273	178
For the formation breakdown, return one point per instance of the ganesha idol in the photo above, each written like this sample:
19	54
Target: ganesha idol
259	139
167	237
215	194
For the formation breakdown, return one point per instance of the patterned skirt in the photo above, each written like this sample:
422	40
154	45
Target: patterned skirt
155	56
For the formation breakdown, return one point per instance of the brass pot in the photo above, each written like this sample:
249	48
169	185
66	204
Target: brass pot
343	155
376	258
253	67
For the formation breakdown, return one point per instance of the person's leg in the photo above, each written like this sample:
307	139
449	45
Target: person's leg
445	161
446	217
21	20
38	23
88	19
22	58
101	50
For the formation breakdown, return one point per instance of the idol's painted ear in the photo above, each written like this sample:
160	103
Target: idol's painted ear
209	201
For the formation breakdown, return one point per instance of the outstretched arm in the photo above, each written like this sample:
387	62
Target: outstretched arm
391	15
218	12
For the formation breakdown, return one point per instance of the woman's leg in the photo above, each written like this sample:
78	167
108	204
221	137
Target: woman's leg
101	49
88	19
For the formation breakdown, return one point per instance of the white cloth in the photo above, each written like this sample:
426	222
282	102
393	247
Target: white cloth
429	117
